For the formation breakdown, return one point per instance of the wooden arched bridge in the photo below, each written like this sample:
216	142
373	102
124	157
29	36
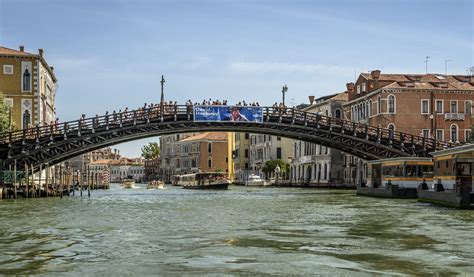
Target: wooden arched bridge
55	143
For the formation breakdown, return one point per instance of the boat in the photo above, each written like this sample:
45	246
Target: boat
254	180
453	180
208	180
128	183
155	185
396	177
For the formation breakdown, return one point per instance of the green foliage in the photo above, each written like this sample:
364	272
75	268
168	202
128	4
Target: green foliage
4	116
272	164
151	151
219	170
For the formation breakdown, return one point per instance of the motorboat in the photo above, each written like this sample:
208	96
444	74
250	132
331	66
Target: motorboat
155	185
255	180
128	183
208	180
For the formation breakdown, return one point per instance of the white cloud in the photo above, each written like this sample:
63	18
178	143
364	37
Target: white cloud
280	67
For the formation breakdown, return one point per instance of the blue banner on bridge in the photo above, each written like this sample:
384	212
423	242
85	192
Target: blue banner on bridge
228	113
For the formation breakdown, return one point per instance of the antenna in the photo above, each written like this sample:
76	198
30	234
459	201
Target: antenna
426	64
446	66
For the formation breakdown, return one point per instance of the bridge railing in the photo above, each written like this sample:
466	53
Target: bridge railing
165	112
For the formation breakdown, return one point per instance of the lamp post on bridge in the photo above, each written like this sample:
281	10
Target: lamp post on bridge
162	100
283	91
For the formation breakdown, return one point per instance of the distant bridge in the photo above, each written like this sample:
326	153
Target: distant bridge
49	145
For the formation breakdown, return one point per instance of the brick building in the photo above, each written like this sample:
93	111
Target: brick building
430	105
205	152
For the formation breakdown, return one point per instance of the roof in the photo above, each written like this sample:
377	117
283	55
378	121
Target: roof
4	51
425	81
401	159
341	96
468	148
13	52
104	161
215	136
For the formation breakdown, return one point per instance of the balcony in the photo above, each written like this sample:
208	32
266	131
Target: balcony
453	116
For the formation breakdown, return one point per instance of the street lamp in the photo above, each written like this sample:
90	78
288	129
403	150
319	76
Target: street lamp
284	89
162	100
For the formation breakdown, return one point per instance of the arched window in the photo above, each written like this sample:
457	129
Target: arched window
379	105
26	80
26	119
338	113
454	133
391	104
391	131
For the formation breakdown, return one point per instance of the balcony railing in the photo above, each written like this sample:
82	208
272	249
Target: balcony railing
453	116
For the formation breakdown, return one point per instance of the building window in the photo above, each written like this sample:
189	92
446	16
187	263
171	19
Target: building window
454	106
209	147
26	119
425	133
391	104
26	80
338	113
468	107
439	106
440	134
391	131
246	166
454	133
247	135
358	89
209	163
425	106
278	152
278	138
8	69
363	87
246	154
467	135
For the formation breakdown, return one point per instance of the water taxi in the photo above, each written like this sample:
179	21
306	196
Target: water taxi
128	183
208	180
453	179
396	177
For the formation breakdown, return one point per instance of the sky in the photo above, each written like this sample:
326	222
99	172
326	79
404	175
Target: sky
109	55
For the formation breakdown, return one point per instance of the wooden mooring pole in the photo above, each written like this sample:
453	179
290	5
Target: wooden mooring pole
14	180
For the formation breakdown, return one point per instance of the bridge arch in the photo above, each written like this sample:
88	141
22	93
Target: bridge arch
56	143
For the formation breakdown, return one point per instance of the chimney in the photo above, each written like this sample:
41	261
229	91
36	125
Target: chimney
40	51
350	90
375	74
52	68
22	48
311	99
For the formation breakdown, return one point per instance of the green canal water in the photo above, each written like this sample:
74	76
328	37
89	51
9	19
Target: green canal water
242	231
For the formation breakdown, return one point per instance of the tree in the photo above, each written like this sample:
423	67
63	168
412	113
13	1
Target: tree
270	166
151	151
4	116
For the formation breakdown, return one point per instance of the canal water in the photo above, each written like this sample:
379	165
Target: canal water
242	231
